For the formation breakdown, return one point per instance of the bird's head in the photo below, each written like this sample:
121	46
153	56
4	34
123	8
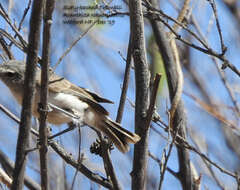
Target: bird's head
12	72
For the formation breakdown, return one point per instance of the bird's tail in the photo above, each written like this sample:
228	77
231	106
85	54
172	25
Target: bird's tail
119	136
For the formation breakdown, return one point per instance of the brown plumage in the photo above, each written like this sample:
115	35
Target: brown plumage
71	98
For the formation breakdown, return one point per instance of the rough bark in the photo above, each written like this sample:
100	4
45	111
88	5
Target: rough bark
142	95
184	172
29	86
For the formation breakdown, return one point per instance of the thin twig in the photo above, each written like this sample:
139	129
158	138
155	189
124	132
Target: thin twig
83	169
4	14
23	17
221	73
63	111
125	83
228	88
211	110
80	156
185	144
6	48
157	16
153	98
208	165
160	164
68	158
8	166
213	5
16	43
172	72
110	172
10	38
164	166
24	14
73	44
9	114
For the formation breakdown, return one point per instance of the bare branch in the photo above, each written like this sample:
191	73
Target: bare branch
29	86
9	114
23	17
213	5
186	145
142	95
156	15
67	157
8	166
43	106
83	169
73	44
125	82
6	48
7	19
180	117
80	157
5	179
108	165
164	164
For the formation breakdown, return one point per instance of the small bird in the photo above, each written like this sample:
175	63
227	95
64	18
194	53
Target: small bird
71	98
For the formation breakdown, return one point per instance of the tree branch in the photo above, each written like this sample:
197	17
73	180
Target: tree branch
142	95
125	82
43	106
8	166
29	86
65	156
179	117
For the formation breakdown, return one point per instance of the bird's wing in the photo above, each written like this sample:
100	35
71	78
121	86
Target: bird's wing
59	84
97	97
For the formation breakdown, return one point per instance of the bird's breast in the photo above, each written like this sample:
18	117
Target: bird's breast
69	103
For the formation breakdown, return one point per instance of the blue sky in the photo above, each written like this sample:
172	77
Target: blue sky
87	66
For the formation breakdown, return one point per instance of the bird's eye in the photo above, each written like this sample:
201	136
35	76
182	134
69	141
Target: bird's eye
10	74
